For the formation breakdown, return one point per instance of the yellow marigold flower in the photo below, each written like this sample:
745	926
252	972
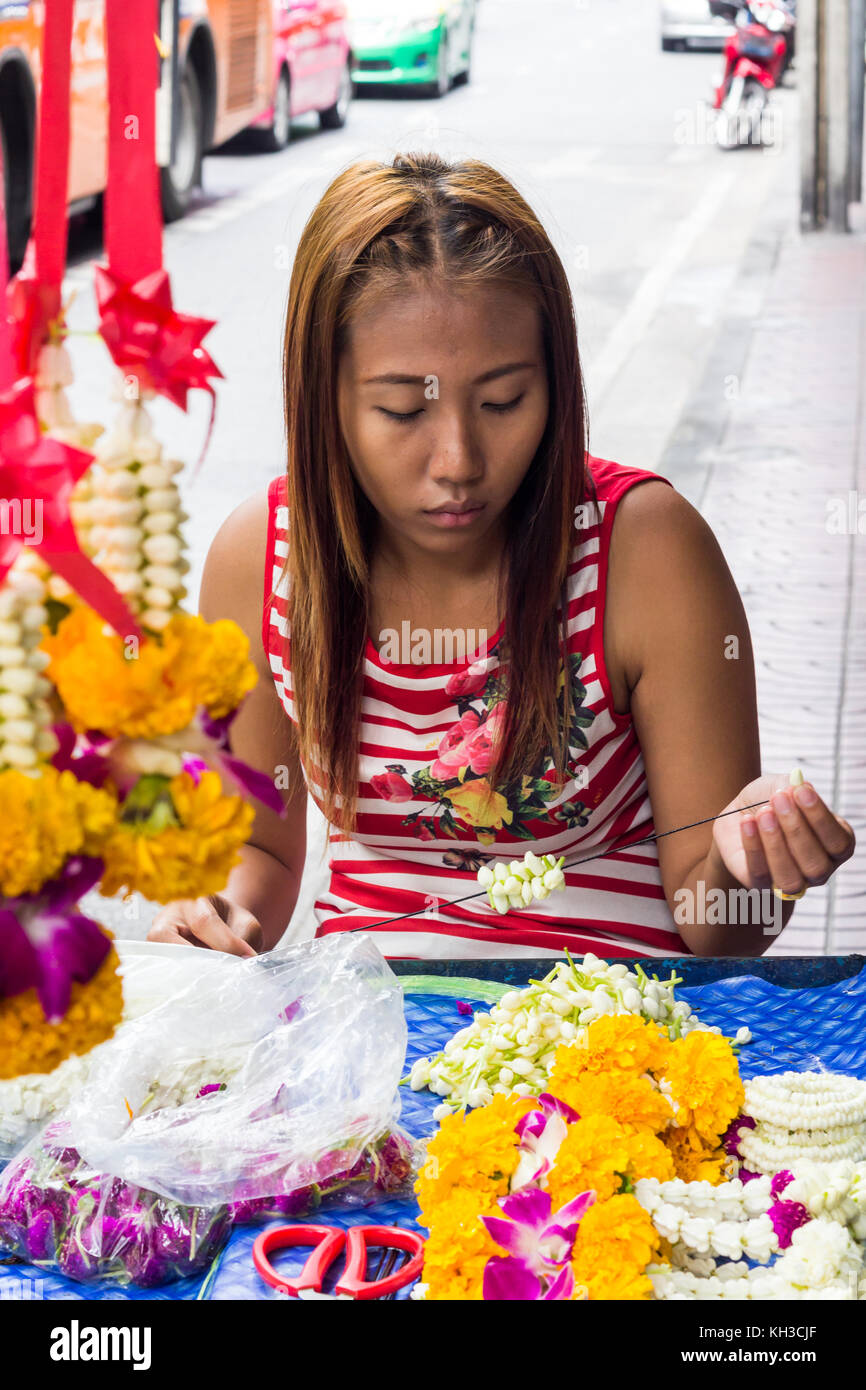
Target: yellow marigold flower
616	1240
649	1157
215	660
695	1160
630	1099
624	1041
29	1044
154	689
475	1153
593	1156
186	861
705	1083
44	820
459	1247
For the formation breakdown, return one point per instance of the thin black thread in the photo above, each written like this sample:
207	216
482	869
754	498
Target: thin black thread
482	892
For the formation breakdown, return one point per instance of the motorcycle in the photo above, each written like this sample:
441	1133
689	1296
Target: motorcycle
756	57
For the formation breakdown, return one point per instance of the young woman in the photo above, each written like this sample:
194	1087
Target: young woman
438	486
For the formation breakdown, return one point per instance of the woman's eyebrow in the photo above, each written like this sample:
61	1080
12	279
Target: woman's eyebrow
401	379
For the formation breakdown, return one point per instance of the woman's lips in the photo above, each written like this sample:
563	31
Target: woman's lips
456	518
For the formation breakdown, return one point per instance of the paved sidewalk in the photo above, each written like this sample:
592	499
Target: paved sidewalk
771	449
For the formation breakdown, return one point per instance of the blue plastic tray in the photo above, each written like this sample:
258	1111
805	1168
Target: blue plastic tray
793	1029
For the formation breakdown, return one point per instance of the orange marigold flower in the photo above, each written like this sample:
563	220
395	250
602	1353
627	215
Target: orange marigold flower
475	1152
631	1099
593	1156
155	689
29	1044
624	1041
694	1159
649	1157
459	1246
705	1084
188	860
616	1240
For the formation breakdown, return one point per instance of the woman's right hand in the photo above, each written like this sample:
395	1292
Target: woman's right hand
215	923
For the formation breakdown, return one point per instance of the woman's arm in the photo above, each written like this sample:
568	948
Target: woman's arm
676	627
253	911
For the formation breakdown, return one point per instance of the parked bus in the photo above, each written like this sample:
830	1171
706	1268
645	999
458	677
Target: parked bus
216	77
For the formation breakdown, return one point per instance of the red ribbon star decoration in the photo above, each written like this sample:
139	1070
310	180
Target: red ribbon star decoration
148	339
39	473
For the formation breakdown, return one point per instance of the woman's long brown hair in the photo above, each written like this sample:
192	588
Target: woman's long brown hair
376	227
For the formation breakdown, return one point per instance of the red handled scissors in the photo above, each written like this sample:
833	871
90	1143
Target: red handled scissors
328	1244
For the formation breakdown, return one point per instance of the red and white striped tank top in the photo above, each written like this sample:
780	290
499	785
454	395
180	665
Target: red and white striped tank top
427	818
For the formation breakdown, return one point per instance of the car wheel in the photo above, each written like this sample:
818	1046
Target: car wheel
179	178
276	136
16	195
669	45
442	85
334	118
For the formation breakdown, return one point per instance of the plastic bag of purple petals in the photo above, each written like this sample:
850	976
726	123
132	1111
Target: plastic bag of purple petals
57	1213
383	1169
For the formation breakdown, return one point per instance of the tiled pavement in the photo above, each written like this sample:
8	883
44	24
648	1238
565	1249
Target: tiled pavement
787	443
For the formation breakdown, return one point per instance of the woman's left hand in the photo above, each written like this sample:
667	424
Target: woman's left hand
792	843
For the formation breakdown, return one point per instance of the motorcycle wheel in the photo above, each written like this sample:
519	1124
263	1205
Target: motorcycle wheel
729	118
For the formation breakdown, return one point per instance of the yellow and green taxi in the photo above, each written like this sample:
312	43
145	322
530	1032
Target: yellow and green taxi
412	42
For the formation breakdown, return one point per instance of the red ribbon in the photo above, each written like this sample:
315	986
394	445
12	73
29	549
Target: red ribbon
144	334
150	340
40	473
33	295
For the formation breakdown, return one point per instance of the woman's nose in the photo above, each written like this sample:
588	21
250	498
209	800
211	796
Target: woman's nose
456	456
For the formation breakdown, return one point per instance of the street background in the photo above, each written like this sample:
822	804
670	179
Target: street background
722	348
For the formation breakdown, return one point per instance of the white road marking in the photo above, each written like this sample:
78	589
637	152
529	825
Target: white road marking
650	293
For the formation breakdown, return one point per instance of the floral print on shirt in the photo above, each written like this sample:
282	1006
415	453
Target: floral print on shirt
464	804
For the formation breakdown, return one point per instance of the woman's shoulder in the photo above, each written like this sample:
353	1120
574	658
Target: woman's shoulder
232	579
612	480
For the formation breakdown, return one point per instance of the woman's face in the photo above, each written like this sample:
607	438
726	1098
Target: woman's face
443	401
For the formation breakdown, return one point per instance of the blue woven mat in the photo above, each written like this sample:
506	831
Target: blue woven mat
793	1030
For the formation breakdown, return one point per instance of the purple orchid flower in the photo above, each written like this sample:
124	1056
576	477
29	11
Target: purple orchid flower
90	765
249	779
45	945
540	1133
194	766
539	1246
507	1279
531	1233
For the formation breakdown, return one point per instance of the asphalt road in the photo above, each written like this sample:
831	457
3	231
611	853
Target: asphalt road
608	138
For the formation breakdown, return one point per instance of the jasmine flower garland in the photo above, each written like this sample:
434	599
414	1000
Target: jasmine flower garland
519	883
512	1047
822	1262
803	1115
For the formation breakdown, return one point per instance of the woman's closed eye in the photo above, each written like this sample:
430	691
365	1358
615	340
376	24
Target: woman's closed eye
501	407
403	417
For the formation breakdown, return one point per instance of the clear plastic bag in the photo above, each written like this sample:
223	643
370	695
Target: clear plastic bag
56	1212
264	1076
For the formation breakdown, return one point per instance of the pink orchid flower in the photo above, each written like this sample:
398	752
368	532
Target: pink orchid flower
539	1245
540	1133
